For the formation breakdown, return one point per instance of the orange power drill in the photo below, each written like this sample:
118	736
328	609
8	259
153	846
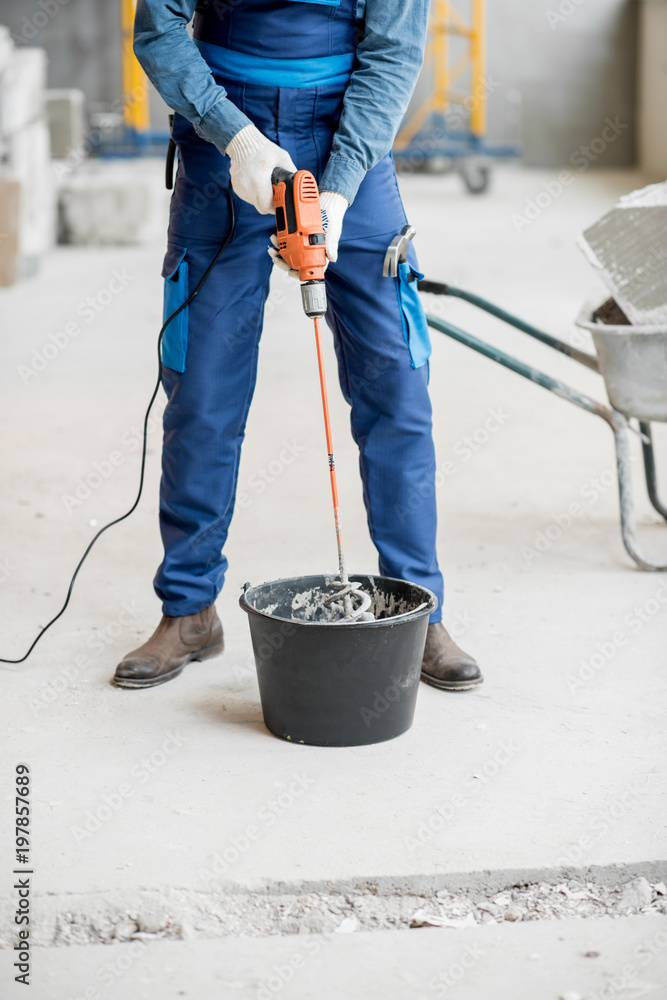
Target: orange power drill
301	239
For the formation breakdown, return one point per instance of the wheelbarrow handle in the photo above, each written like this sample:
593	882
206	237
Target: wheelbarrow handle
439	288
618	422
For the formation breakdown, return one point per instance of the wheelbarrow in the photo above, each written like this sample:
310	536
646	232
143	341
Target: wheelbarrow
633	363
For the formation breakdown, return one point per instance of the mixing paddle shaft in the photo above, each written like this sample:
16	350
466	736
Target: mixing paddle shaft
300	241
345	588
347	600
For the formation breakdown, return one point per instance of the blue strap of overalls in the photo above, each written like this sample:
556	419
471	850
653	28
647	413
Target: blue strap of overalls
244	67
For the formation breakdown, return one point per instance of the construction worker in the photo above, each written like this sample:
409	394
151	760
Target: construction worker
320	85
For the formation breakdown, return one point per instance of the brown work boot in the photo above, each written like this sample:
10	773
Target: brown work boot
174	643
445	665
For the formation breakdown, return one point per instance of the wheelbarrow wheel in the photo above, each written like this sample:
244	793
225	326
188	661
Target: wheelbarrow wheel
475	175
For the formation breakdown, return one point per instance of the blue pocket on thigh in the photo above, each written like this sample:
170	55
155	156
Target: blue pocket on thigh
415	327
175	337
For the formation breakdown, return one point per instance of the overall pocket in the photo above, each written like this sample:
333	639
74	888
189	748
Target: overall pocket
175	337
415	327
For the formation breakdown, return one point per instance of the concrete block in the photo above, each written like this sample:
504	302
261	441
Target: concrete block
10	204
6	55
25	150
22	89
628	249
29	162
6	47
102	209
66	118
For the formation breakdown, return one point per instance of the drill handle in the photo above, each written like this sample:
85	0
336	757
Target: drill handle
280	174
285	205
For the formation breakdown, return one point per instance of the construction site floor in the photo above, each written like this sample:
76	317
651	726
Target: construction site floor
153	810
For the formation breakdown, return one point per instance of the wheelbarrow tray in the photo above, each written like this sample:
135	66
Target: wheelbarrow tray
633	363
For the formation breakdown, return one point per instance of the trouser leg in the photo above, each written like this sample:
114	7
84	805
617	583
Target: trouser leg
208	402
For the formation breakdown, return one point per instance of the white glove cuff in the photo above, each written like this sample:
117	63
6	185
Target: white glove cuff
246	142
333	203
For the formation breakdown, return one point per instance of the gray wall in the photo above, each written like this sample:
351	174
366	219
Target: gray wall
652	142
567	77
571	74
82	39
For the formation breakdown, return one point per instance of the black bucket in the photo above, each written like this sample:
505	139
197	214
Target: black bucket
337	685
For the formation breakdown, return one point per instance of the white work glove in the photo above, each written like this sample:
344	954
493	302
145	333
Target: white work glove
334	206
254	158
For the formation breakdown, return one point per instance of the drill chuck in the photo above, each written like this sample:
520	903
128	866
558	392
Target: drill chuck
314	297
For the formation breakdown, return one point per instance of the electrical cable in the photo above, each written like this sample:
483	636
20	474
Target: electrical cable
193	294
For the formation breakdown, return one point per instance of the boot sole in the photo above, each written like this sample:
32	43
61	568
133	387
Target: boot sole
450	685
148	682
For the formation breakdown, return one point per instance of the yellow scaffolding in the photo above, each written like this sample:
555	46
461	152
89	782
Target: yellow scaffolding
136	113
446	22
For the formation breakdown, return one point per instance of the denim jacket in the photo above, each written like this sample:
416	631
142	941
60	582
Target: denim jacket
389	58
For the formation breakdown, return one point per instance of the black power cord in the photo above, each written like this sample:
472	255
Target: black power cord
232	216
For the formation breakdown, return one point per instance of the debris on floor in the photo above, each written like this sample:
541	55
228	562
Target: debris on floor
184	914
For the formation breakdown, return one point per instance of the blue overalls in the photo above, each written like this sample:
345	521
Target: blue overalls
210	351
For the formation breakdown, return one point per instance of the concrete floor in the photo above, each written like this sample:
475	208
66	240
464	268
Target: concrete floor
602	958
555	764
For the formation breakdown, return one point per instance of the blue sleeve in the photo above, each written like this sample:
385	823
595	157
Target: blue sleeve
388	62
180	74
